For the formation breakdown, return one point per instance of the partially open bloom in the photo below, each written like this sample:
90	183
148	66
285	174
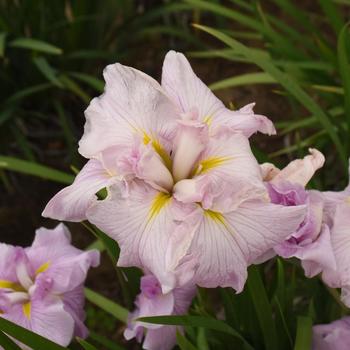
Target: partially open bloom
337	216
311	241
332	336
41	287
152	302
186	198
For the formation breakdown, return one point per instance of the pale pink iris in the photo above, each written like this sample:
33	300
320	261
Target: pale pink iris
186	198
42	286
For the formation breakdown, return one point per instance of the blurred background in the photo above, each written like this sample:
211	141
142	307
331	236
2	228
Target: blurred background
291	58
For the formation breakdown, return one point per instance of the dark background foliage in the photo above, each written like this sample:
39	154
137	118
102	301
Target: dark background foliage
294	63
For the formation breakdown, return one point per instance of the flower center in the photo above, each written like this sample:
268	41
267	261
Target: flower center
20	292
164	169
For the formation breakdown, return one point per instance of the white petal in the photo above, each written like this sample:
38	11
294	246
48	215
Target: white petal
132	103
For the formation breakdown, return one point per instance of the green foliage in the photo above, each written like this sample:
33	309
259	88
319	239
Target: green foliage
51	61
289	48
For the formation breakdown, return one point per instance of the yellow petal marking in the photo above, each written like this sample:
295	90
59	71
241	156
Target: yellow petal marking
158	203
27	309
207	164
208	120
347	200
159	149
11	285
43	267
215	216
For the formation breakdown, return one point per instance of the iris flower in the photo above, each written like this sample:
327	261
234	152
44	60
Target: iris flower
152	302
41	287
311	242
337	217
186	198
332	336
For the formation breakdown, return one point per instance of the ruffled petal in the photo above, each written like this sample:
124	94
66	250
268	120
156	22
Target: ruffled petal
340	237
142	224
74	302
53	257
132	103
186	89
163	338
46	318
227	174
8	254
191	139
317	255
268	171
72	202
244	121
332	336
228	243
300	171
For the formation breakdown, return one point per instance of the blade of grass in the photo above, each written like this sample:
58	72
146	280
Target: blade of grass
244	79
30	168
183	343
67	130
344	70
304	332
75	88
22	142
85	344
7	342
288	83
2	43
303	144
333	14
262	307
48	72
27	92
95	83
33	340
277	39
108	344
197	321
118	311
35	45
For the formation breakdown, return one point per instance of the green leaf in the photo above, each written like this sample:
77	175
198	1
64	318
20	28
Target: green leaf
109	243
304	333
244	79
66	127
85	344
30	168
183	342
35	45
344	69
202	339
7	343
262	307
108	344
20	95
288	83
2	43
333	14
197	321
95	83
119	312
6	114
306	142
49	73
33	340
75	88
